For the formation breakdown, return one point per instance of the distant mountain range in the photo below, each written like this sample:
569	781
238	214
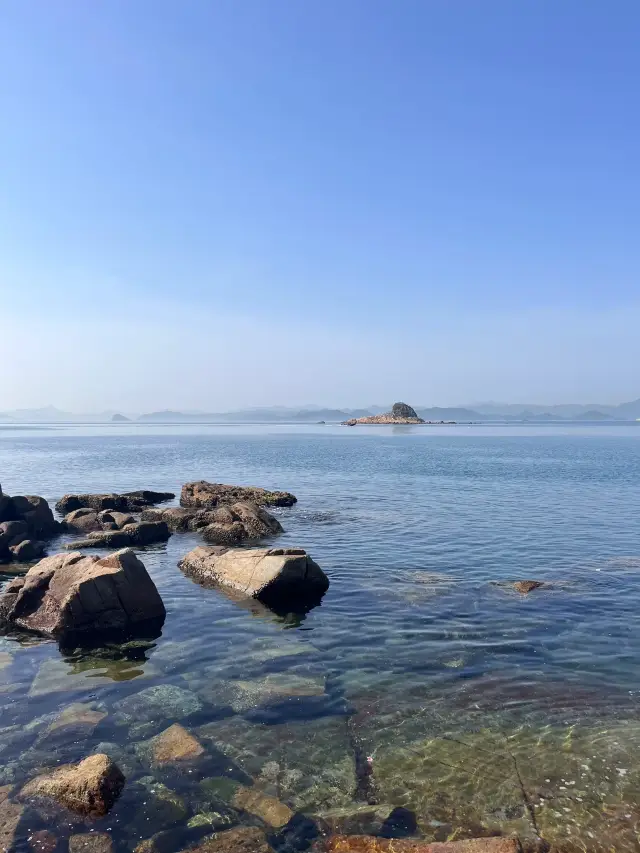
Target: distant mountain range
313	414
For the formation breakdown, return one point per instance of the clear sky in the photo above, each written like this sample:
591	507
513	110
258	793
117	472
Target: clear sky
218	203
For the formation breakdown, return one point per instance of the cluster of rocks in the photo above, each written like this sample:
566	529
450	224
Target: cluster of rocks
401	413
72	594
226	524
25	521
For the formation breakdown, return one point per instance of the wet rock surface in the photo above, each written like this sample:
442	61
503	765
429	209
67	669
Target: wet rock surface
91	842
245	839
125	502
272	575
89	788
74	594
204	495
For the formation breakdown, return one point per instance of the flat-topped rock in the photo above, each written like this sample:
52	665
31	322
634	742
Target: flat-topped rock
272	575
224	525
75	593
401	413
125	502
204	495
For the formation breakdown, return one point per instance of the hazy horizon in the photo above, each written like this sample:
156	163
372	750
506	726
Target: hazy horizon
215	206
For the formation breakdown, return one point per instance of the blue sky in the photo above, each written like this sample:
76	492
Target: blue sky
219	203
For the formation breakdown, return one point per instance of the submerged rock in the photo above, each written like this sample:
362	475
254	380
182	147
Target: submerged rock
175	745
126	502
156	806
369	844
43	841
243	839
91	842
269	809
75	594
527	586
162	702
89	788
10	816
204	495
272	575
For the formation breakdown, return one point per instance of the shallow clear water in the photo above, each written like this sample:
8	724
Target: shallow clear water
427	682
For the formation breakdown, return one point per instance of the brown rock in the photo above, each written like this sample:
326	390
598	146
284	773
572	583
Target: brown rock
27	551
224	534
13	532
82	520
527	586
37	514
206	495
89	788
369	844
112	516
5	790
43	841
138	534
91	842
258	803
243	839
77	716
175	744
72	593
127	502
10	815
175	517
271	575
224	525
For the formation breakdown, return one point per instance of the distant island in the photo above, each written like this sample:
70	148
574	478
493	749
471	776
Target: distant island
400	413
120	418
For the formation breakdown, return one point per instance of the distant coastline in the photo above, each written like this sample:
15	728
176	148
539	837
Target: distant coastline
478	413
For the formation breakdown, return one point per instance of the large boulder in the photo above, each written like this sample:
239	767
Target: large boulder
137	534
272	575
225	525
125	502
25	519
204	495
73	594
89	788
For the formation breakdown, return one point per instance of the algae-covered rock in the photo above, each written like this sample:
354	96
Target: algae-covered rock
243	839
161	702
269	809
308	764
90	842
175	745
89	788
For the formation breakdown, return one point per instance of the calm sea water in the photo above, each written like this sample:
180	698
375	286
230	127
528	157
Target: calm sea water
422	680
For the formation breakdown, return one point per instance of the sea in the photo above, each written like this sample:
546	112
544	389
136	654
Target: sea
423	681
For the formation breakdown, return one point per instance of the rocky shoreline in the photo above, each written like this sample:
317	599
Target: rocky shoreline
344	779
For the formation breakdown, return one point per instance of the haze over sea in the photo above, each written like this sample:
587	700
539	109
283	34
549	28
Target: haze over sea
478	708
